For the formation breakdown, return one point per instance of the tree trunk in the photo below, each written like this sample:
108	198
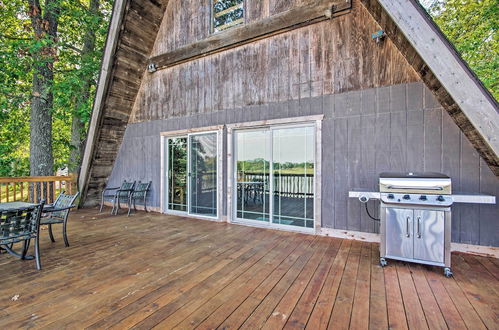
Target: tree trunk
77	126
44	27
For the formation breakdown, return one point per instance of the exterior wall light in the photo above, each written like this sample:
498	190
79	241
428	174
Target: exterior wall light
151	67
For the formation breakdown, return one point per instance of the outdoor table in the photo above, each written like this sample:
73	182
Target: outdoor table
15	206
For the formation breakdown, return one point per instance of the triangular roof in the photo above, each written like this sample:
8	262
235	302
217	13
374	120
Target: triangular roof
405	22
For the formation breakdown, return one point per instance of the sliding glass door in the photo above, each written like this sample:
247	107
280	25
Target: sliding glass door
253	174
192	172
274	176
203	174
293	173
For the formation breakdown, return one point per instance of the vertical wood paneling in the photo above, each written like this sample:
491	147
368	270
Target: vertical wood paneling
432	140
415	140
367	172
470	179
328	166
340	172
316	59
304	57
382	145
451	155
488	229
354	168
398	141
294	65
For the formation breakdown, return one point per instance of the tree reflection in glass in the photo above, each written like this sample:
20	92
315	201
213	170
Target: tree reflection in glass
177	174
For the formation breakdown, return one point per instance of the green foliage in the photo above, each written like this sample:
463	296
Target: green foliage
472	26
18	48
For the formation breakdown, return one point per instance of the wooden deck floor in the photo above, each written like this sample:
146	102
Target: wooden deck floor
153	270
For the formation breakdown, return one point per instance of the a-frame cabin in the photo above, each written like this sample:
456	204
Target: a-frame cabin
222	103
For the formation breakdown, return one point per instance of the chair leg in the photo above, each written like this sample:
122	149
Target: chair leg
37	254
25	249
101	203
65	234
129	207
50	233
145	205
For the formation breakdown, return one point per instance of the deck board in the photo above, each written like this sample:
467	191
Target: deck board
151	270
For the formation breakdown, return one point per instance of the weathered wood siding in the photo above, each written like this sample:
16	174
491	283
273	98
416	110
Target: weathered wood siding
187	21
333	56
394	128
142	20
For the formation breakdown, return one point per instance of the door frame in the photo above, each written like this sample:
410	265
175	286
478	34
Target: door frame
164	170
316	121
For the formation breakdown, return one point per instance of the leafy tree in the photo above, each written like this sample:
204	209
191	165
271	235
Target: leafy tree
74	55
472	26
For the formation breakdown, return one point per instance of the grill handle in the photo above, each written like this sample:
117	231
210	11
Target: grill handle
407	233
419	225
416	188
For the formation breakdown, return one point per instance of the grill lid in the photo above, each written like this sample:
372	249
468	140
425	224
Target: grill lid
416	183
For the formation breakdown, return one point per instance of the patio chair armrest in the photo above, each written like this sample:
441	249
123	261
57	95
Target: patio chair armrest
139	191
49	210
114	188
124	190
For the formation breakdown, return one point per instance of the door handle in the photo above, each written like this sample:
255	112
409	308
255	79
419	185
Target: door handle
419	227
407	232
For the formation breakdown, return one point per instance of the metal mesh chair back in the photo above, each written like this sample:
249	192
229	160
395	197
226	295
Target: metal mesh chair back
21	226
123	195
141	189
63	201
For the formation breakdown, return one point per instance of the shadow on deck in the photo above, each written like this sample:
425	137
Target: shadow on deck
157	270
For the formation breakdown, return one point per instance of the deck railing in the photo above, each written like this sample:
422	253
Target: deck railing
34	188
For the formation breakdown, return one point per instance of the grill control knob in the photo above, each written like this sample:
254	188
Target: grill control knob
390	196
423	198
441	198
406	197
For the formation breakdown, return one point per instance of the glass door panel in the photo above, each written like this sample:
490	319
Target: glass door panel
252	163
293	172
203	174
177	174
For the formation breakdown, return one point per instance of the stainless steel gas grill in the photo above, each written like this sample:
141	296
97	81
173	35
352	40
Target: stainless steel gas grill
415	216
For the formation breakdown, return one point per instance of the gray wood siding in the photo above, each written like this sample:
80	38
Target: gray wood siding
365	132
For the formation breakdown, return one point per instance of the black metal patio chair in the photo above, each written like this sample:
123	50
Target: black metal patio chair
58	213
140	194
117	195
22	226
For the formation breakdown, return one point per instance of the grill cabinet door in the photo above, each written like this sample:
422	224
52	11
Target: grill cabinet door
399	226
429	231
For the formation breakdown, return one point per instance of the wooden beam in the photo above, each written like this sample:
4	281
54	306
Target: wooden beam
292	19
102	87
459	81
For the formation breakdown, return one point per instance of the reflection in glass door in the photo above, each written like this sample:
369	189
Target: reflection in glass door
293	172
177	174
203	174
280	160
191	183
252	174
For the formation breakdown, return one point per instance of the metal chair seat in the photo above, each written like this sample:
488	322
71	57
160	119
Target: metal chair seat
51	220
59	213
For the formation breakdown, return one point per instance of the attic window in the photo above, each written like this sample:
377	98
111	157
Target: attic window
226	14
